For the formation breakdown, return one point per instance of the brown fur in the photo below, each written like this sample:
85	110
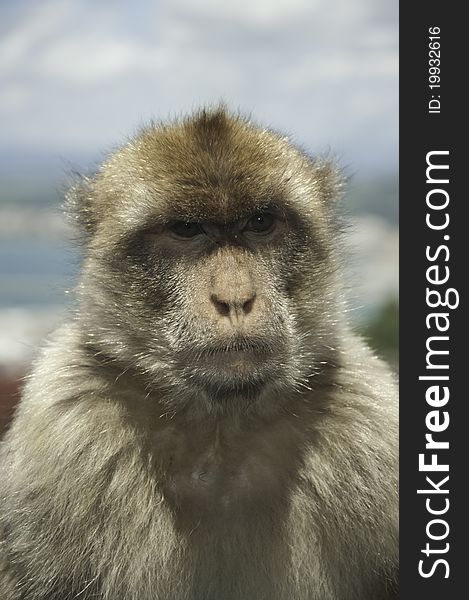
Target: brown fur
206	426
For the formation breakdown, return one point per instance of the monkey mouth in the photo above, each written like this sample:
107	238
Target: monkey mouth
237	354
224	383
235	361
230	371
222	390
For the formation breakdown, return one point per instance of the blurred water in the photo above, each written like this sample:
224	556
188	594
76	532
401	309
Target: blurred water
34	272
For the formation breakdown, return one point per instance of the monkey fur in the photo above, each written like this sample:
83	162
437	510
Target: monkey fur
206	426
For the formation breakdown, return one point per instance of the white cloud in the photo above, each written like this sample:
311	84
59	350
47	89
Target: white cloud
260	12
42	23
88	60
13	97
81	73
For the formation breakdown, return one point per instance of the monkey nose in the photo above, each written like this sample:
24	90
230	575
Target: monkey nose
233	308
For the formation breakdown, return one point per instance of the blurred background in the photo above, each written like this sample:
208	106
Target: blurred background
77	77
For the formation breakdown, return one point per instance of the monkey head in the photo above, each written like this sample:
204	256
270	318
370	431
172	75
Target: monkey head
209	261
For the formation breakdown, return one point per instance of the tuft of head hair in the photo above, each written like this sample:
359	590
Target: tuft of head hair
212	161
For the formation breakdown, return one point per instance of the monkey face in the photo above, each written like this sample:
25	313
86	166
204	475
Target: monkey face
210	259
229	337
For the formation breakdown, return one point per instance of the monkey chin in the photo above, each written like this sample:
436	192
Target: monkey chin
234	377
237	389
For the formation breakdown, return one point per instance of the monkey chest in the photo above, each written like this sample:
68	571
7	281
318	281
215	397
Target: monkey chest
217	483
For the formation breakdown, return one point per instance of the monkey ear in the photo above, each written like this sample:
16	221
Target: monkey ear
79	204
330	179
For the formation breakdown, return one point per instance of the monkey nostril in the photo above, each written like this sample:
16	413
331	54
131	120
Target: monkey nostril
222	307
247	306
239	307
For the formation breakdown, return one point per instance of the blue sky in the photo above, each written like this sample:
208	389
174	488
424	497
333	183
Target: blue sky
78	76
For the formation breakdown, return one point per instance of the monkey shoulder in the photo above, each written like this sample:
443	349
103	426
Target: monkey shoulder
347	492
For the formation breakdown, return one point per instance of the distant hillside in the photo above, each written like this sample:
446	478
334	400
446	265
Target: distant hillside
378	197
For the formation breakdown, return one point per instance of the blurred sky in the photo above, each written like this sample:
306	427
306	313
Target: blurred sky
76	76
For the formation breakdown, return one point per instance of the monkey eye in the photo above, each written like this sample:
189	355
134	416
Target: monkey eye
185	230
261	223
